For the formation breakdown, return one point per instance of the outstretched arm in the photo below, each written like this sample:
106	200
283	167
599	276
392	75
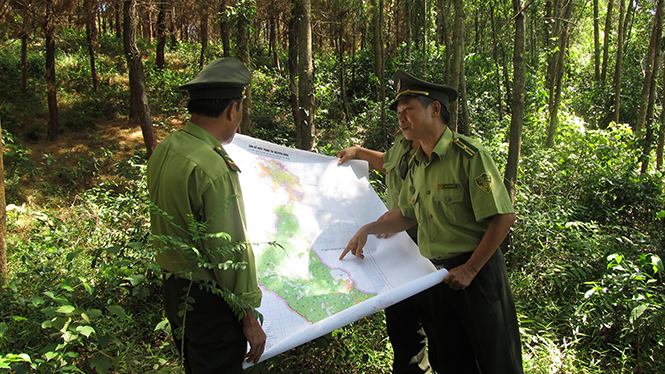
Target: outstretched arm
375	158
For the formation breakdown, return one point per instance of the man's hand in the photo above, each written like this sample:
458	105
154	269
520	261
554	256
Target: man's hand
356	244
255	336
347	154
460	277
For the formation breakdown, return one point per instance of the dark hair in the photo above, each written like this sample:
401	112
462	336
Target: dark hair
210	107
426	101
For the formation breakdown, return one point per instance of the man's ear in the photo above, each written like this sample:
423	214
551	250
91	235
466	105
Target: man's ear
436	109
231	109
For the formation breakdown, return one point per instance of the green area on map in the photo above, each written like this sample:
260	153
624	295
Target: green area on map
291	269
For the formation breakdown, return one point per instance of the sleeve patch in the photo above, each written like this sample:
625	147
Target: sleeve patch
232	165
484	182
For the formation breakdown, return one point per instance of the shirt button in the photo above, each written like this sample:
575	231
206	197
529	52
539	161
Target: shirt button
428	192
447	199
431	240
431	216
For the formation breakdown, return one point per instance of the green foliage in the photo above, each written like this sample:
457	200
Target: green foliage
83	289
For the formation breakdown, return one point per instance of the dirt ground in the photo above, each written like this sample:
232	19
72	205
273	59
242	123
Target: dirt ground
118	139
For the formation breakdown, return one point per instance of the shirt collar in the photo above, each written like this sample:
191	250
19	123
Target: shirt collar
200	133
439	150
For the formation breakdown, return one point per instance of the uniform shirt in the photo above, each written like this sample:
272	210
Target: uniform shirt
188	177
453	195
391	162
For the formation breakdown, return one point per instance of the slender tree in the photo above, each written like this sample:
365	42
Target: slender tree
618	66
458	59
293	68
224	28
306	75
650	66
519	93
596	42
244	15
161	33
3	215
557	69
137	94
91	10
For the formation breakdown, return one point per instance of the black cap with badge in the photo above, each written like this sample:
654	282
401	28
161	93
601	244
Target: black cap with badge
407	85
224	78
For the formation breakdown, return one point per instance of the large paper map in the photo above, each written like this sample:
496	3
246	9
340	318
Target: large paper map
302	209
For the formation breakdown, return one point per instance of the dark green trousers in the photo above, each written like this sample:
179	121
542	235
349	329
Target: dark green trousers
407	337
474	330
214	340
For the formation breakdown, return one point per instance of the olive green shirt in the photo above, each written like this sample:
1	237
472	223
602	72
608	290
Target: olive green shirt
188	177
391	161
453	195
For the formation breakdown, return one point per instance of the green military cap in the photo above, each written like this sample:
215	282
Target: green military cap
224	78
407	85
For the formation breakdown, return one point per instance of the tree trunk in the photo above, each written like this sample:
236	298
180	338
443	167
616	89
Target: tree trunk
3	216
596	42
497	64
203	34
557	70
50	29
458	57
224	29
650	67
274	44
161	34
136	77
606	41
24	62
242	23
306	75
91	39
377	42
519	93
293	69
619	63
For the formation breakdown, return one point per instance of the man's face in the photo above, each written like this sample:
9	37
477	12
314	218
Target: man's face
414	120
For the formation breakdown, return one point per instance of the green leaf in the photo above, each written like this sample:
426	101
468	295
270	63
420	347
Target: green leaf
117	310
113	250
85	330
657	263
71	256
101	364
3	328
162	325
637	313
94	313
141	292
66	309
37	301
135	279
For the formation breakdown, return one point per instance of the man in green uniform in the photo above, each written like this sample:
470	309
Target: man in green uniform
455	193
403	325
194	184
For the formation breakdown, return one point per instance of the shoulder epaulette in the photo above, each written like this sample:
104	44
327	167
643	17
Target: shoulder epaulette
232	165
465	147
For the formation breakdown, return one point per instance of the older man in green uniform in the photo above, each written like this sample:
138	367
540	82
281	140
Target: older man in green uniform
403	324
194	184
455	193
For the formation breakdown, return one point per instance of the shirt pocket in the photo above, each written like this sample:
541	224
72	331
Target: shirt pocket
453	205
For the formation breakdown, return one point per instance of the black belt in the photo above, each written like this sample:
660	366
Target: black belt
450	263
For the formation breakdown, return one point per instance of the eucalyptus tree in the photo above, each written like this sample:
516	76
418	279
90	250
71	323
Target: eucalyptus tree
245	11
458	59
161	33
619	63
